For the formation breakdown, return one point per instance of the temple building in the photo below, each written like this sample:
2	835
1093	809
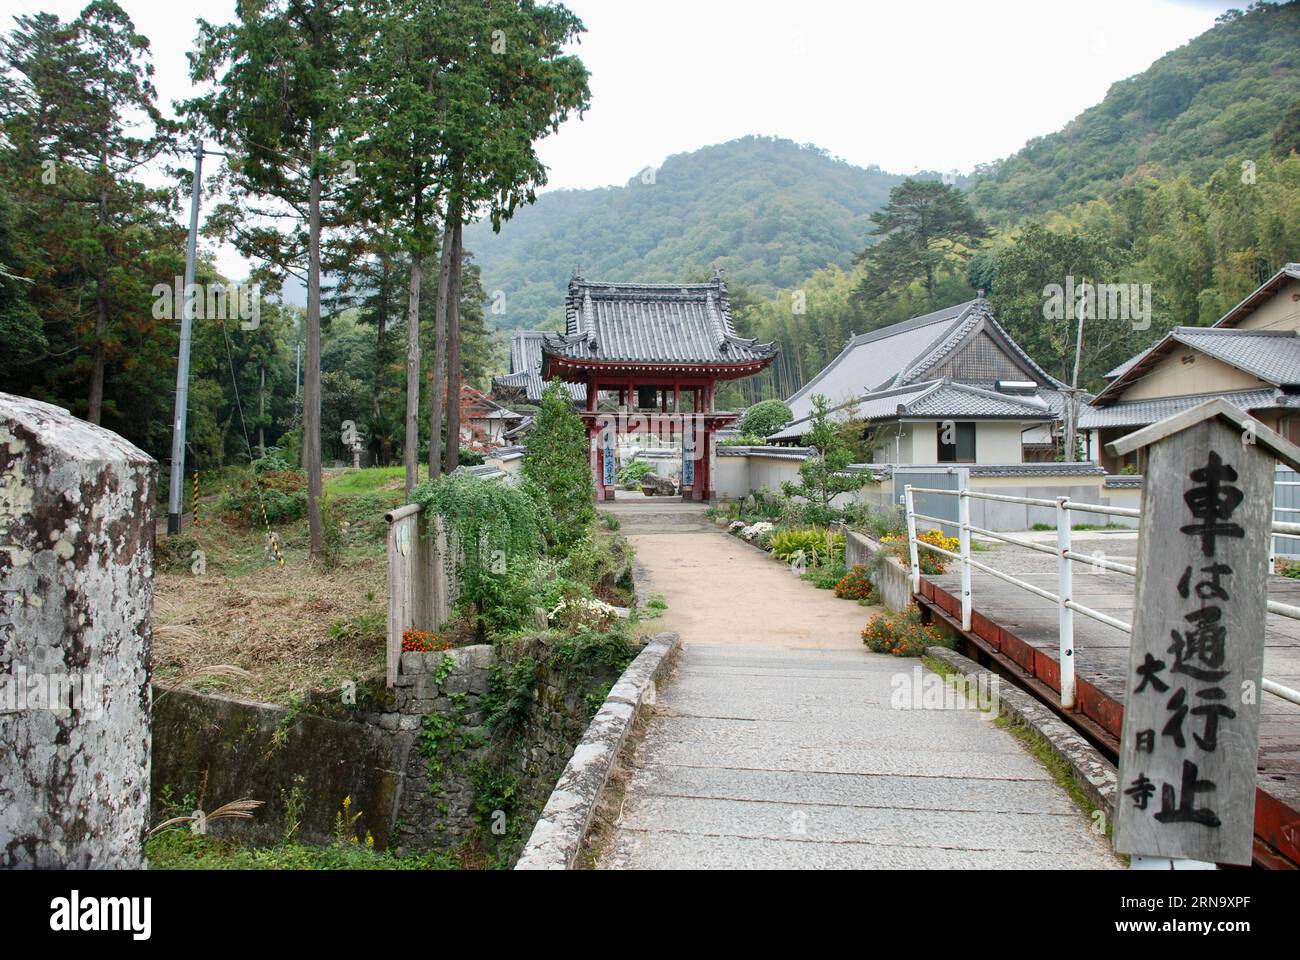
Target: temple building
649	357
524	384
948	387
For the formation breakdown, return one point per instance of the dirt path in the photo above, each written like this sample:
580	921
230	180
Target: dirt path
721	590
777	742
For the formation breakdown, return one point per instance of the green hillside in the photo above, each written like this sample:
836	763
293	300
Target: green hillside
769	211
1219	97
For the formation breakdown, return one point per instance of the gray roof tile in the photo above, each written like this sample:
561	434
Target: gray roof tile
1138	413
686	323
526	368
939	400
1271	355
872	360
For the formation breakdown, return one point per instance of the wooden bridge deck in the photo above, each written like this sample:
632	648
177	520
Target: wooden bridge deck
1023	627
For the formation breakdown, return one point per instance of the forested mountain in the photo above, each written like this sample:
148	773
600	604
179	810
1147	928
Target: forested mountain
773	213
1221	96
769	211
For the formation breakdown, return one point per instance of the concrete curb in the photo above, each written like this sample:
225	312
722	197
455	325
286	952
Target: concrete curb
557	837
1095	775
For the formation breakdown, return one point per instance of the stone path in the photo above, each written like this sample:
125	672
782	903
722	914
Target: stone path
774	743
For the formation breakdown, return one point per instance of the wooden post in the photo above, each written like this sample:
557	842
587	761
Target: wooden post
403	541
1191	714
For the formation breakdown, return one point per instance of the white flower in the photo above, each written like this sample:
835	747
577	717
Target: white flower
757	529
595	607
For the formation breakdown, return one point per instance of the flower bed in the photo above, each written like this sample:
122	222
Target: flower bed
902	634
424	641
855	585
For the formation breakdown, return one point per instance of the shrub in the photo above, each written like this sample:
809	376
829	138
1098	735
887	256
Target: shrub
765	418
854	585
423	641
174	552
878	522
283	494
825	578
808	544
497	527
592	559
630	474
556	468
901	634
578	613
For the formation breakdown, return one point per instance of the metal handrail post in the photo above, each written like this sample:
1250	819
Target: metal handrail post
911	539
1064	592
964	539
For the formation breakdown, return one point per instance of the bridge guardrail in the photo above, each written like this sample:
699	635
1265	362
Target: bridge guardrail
1066	556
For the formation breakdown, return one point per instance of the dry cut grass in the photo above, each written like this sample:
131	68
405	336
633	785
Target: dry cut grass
266	633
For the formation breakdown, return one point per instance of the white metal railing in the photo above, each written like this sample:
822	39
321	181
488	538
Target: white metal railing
1272	541
1066	556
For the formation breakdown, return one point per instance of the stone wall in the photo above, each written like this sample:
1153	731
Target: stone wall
414	760
458	762
437	699
889	576
210	750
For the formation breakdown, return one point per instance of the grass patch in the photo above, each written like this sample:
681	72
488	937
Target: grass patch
369	479
182	850
1061	771
938	666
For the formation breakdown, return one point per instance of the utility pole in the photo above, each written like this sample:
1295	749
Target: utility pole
174	493
1072	397
261	411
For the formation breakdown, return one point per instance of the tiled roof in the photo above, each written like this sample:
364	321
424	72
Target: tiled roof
1137	413
975	317
1083	468
1124	367
960	400
872	360
526	369
935	399
908	353
686	323
1271	355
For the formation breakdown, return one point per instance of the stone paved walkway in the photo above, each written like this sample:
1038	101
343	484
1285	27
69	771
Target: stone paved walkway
774	743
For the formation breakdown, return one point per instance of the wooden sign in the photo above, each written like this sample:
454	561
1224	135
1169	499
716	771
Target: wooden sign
1191	712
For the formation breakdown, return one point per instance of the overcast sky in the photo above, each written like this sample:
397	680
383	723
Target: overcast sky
908	86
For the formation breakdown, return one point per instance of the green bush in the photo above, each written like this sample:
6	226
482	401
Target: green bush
630	474
855	585
826	577
765	418
557	471
808	544
281	507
